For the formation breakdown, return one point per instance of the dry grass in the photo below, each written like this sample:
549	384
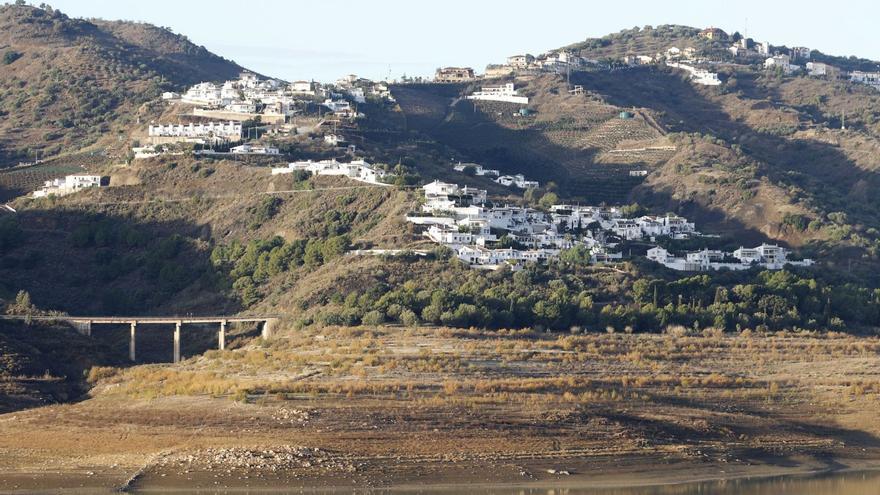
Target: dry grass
519	367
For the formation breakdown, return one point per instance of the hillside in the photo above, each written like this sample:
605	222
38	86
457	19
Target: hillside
762	156
68	83
407	366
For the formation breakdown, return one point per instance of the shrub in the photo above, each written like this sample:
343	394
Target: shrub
98	373
409	318
11	56
373	318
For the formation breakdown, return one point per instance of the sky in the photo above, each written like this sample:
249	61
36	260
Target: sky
326	39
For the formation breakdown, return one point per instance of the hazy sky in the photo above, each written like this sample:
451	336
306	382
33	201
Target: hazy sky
325	39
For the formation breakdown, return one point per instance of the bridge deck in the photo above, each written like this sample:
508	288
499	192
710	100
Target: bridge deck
147	320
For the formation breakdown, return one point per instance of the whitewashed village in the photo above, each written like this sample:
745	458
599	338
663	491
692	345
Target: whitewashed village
489	236
480	233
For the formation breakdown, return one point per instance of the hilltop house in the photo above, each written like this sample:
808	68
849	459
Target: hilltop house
819	69
505	92
713	33
870	78
520	61
494	71
454	74
800	53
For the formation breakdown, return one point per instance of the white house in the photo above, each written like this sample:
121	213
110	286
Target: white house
819	69
442	196
358	170
520	61
357	94
698	76
204	93
673	53
517	180
333	139
248	149
767	256
337	106
67	185
478	169
627	229
302	87
783	61
505	92
870	78
801	53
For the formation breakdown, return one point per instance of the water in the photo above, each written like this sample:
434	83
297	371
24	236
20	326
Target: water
852	483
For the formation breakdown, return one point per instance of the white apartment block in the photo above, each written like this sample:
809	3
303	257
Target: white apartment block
230	131
505	92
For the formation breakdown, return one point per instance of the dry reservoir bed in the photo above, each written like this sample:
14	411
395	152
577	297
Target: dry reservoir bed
393	406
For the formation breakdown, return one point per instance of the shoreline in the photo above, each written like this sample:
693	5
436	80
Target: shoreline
630	472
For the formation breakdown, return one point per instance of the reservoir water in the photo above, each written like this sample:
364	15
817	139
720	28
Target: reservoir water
847	483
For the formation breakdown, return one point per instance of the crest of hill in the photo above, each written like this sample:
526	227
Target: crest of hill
68	83
647	40
650	40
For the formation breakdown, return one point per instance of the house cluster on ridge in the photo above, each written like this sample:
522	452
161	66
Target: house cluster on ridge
768	256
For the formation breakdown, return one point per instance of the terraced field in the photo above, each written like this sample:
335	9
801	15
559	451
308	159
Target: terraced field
19	181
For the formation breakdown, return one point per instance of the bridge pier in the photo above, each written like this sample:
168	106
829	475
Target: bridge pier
267	329
177	342
131	343
83	327
221	337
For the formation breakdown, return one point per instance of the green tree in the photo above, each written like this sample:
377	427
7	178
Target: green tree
549	200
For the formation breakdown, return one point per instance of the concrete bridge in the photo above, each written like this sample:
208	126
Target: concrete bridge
83	324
